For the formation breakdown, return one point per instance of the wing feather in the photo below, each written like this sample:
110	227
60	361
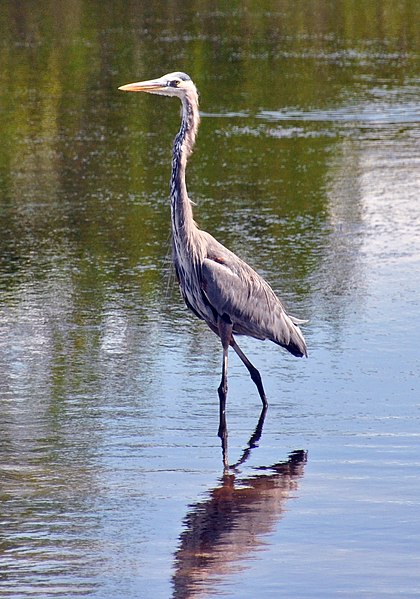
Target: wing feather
235	290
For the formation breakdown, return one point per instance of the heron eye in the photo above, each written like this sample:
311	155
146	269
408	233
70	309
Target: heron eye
174	83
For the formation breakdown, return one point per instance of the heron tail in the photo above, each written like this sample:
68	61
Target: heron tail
294	342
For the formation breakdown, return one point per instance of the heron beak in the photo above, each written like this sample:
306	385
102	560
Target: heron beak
151	86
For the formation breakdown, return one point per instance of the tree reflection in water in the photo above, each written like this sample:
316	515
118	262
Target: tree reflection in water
223	531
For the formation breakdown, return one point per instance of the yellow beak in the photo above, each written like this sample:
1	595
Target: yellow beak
153	85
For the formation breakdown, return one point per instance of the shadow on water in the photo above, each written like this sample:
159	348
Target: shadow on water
223	532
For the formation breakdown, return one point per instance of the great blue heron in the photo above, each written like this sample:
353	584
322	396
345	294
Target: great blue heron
217	286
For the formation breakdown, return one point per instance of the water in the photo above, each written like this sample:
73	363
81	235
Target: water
307	165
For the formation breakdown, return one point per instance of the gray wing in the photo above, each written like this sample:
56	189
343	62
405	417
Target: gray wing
235	290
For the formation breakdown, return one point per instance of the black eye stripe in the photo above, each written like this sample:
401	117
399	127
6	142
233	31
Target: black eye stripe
174	83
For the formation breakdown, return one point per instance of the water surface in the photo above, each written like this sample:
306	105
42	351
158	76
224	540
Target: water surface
307	165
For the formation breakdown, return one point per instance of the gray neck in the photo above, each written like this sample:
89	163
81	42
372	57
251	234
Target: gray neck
181	211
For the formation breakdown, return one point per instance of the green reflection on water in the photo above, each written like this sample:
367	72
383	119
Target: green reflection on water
85	171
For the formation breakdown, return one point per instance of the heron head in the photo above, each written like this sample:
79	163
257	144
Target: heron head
172	84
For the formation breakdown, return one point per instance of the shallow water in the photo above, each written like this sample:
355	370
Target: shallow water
307	165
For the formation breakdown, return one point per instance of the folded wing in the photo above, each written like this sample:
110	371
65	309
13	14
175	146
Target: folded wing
235	291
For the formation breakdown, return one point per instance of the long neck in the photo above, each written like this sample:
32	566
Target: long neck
181	211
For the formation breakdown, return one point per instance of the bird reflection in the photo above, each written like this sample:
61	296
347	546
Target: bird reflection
222	532
255	437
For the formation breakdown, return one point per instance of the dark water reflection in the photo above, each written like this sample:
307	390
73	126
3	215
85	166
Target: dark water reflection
307	166
228	528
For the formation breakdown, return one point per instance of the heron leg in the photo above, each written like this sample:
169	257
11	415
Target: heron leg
222	390
225	333
255	375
